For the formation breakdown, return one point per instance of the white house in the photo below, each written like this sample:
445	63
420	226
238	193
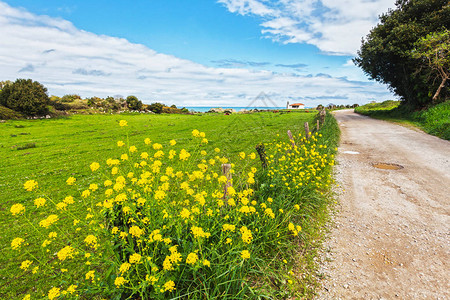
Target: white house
296	106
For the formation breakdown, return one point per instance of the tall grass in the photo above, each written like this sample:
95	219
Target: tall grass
434	120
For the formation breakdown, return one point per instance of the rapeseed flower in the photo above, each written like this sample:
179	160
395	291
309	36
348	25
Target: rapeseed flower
54	293
119	281
30	185
245	254
16	243
71	180
191	258
17	209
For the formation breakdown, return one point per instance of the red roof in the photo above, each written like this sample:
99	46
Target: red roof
296	104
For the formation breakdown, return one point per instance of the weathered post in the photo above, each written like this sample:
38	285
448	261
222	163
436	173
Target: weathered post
307	130
322	114
291	138
262	154
318	125
226	172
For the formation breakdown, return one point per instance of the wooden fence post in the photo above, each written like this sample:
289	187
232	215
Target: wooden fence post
291	138
262	154
318	125
226	172
307	130
322	114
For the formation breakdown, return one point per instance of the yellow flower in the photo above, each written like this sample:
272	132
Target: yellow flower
152	279
66	252
191	258
206	263
52	235
242	155
91	241
54	293
69	200
30	185
61	206
198	232
252	155
132	149
185	213
169	286
25	264
247	236
173	142
119	281
48	221
35	269
228	241
27	297
184	155
71	289
17	209
204	141
120	144
16	243
157	146
147	141
203	152
124	267
217	150
90	275
195	133
245	254
71	180
85	193
135	231
135	258
94	166
123	123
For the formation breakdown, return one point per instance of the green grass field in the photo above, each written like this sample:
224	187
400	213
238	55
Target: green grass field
50	151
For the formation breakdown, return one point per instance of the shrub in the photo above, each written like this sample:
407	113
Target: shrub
134	103
6	113
26	96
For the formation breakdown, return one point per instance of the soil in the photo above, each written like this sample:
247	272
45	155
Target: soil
390	236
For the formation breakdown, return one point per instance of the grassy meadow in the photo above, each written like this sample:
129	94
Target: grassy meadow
50	151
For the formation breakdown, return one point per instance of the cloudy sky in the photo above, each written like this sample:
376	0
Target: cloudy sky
193	53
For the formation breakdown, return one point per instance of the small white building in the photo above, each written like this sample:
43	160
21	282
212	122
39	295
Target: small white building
296	106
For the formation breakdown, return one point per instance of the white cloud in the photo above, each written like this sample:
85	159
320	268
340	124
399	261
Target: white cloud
69	60
334	26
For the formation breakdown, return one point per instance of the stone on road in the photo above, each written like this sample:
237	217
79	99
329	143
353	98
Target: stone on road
390	236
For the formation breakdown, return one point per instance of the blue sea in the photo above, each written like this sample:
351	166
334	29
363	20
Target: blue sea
236	108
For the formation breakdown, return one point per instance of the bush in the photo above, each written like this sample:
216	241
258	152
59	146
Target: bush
156	107
6	113
134	103
26	96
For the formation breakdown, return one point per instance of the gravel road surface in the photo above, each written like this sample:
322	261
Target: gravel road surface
390	238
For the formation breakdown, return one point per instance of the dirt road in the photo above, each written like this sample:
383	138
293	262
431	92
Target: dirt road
391	237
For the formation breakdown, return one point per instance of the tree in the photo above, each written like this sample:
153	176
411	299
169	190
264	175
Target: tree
433	51
25	96
134	103
4	83
385	53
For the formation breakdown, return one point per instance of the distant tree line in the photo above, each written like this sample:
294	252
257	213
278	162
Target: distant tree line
409	50
30	98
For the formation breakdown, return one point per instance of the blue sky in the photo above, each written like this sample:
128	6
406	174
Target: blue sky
192	52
